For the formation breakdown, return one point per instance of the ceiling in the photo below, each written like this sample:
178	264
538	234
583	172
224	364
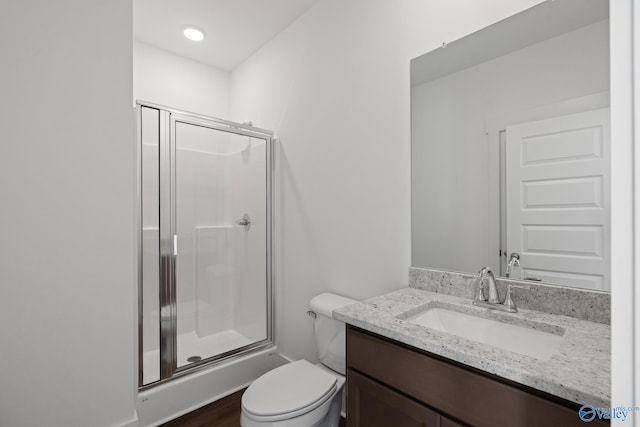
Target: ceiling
541	22
234	28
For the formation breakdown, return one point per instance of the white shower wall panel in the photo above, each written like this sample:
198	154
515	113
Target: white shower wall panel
248	172
200	202
215	279
221	282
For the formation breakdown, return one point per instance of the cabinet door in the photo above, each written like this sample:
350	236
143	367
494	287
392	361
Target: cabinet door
371	404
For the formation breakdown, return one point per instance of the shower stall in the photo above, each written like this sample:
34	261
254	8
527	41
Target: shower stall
205	241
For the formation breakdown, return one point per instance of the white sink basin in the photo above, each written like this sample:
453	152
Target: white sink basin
518	339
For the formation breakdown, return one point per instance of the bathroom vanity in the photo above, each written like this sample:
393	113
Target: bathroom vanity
389	383
401	372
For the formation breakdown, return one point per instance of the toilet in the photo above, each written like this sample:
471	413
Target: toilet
301	394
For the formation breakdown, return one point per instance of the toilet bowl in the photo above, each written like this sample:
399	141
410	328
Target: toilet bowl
298	394
301	394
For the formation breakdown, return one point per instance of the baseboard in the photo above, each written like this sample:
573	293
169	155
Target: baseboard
133	422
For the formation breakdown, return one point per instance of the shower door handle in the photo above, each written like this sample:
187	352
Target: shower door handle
245	222
175	245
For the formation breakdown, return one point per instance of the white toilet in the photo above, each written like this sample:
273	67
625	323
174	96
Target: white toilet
300	394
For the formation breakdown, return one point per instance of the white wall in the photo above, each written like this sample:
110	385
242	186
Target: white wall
335	88
167	79
625	193
455	124
67	219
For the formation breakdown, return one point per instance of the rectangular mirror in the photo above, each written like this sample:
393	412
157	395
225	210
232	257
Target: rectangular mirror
510	148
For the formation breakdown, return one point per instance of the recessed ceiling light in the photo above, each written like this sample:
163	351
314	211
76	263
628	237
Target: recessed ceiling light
193	33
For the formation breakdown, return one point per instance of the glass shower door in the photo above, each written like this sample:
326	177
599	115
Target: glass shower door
205	241
220	224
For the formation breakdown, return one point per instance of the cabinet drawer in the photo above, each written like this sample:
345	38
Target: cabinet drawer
453	390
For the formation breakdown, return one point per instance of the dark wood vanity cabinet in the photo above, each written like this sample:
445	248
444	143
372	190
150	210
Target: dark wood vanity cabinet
391	384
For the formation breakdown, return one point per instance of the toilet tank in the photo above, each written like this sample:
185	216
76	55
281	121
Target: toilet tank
330	333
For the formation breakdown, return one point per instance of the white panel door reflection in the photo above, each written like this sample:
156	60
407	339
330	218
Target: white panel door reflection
557	198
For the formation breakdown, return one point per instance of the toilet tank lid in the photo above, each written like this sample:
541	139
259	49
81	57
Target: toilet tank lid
325	303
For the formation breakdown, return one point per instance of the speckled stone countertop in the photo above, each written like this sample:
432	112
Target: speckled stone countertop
579	371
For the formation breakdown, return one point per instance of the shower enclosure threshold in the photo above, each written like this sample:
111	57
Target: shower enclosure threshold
189	344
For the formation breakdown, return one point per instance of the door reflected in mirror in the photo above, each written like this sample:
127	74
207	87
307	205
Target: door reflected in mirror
510	148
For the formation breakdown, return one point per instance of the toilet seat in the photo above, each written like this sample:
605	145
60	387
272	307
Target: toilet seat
288	391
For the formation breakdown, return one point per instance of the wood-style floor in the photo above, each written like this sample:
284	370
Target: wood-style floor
222	413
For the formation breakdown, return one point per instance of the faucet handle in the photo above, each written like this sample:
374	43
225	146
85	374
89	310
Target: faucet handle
509	303
481	296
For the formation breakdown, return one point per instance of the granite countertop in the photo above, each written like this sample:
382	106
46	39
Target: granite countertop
580	371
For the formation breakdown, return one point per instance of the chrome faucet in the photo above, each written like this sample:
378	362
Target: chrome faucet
514	261
494	296
493	301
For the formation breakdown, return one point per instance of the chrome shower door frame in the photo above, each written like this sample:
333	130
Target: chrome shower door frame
169	117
